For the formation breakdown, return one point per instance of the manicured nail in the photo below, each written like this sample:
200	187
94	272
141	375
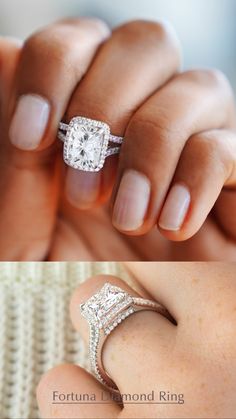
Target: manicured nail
29	122
132	201
82	188
175	208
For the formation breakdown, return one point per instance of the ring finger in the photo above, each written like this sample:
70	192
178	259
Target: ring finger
137	59
144	335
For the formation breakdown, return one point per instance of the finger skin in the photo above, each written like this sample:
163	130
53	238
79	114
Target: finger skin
65	380
20	178
129	78
9	55
53	62
186	287
201	363
124	73
131	342
207	164
47	66
79	236
190	103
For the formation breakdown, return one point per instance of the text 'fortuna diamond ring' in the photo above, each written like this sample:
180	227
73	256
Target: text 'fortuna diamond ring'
104	311
87	143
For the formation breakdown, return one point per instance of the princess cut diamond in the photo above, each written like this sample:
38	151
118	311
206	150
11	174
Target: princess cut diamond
106	303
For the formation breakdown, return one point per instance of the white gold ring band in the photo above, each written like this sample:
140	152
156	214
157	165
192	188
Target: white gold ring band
104	311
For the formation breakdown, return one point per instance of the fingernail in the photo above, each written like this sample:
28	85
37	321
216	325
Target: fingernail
132	201
29	122
175	208
82	188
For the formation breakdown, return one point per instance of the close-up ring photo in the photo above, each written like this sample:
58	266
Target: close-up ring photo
118	126
118	340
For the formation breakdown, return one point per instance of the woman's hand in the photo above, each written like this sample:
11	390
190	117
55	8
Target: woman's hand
195	359
178	154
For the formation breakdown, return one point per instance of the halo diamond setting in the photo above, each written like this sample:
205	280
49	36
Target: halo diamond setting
104	311
103	308
87	143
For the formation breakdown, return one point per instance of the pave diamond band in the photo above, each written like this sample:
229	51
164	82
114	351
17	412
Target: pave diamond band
87	143
104	311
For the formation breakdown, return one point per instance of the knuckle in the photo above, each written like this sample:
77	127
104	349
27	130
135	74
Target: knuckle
97	23
206	144
51	43
147	30
211	151
37	41
161	127
160	133
217	77
209	77
87	23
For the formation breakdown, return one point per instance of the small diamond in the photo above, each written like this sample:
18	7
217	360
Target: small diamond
86	144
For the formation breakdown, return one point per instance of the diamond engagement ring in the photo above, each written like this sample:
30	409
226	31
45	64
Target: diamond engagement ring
87	143
104	311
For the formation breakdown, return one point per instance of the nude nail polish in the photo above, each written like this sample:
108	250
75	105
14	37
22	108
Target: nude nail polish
29	122
82	188
132	201
175	208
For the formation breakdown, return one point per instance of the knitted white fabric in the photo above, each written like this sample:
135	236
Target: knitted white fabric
35	329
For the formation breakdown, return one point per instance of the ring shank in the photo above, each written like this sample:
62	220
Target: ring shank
138	305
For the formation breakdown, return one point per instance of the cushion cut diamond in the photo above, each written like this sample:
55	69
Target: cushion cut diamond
86	144
100	305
